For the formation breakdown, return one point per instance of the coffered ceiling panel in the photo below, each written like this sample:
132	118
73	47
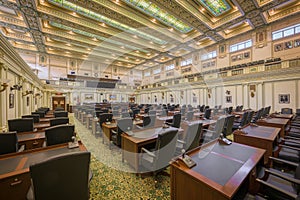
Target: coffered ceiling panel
132	33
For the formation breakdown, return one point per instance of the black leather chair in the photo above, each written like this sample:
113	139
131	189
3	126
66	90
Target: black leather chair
36	117
158	158
191	138
228	125
40	113
62	177
152	112
60	114
20	125
249	118
148	122
59	121
207	113
105	117
258	115
190	115
59	109
125	115
278	185
176	121
286	111
59	134
9	143
123	125
241	123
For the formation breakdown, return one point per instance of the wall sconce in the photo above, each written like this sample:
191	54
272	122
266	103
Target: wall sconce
16	87
27	92
4	84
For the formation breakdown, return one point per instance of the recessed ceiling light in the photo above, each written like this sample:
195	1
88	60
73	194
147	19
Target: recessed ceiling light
107	60
137	51
126	58
95	39
137	60
119	63
122	47
153	20
68	44
171	29
135	36
74	13
202	9
88	49
113	55
148	54
151	42
163	46
67	52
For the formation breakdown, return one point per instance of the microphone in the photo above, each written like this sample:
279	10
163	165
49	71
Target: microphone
73	139
183	153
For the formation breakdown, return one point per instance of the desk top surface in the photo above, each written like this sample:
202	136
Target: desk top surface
223	167
114	125
287	116
274	121
263	132
30	136
21	161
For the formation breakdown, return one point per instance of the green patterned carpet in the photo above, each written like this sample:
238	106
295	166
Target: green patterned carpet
112	178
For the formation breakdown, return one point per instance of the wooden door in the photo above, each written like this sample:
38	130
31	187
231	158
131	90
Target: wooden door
59	102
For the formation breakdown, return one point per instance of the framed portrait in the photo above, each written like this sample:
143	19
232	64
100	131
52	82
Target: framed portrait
222	49
233	58
89	97
284	98
11	100
239	57
194	99
288	45
228	99
297	43
278	47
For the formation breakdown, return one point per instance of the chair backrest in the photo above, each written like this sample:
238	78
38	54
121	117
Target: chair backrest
286	111
59	109
62	177
59	134
202	108
207	113
125	114
230	110
8	142
193	135
20	125
176	120
219	127
40	113
152	112
124	125
60	114
228	125
116	113
98	113
244	119
165	148
149	121
190	115
249	118
36	117
59	121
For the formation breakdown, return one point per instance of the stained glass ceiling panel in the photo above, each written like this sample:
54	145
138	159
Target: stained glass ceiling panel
153	10
91	35
101	18
216	7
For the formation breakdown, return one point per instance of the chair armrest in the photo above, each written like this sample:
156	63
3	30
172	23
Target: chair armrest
207	130
291	137
113	131
148	152
22	148
287	178
181	141
139	127
283	161
294	196
289	147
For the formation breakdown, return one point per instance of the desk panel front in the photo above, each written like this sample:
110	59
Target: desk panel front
220	171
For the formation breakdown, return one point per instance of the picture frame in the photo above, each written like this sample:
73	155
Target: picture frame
11	100
297	43
284	98
247	55
288	45
89	97
233	58
228	99
278	47
222	50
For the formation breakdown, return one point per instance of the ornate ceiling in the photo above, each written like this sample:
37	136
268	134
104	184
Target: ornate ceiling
132	33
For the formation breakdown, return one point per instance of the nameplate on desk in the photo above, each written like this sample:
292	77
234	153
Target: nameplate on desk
130	133
72	145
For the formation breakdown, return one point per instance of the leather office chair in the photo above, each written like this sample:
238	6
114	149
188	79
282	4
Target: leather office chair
21	125
191	138
286	111
59	109
278	185
105	117
36	118
135	112
190	115
249	118
59	121
241	123
176	121
228	125
125	115
152	112
148	122
207	113
116	113
61	177
123	125
9	143
214	131
59	134
158	158
60	114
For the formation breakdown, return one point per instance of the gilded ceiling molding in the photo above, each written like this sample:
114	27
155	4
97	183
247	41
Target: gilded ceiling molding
272	4
12	20
285	13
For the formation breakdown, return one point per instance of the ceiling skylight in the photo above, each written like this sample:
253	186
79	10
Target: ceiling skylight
216	7
160	14
101	18
61	26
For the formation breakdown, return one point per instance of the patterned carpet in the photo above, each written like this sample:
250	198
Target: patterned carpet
112	178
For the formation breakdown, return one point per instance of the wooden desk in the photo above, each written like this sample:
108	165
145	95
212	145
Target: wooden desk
220	171
274	122
41	126
283	116
45	120
14	171
49	116
31	140
198	114
258	136
106	128
131	145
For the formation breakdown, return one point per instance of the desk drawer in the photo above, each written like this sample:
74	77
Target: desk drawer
15	187
32	144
